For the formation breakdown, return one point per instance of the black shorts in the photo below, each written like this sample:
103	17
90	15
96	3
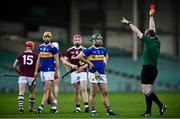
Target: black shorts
148	74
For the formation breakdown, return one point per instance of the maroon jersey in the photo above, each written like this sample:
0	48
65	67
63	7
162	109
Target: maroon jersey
72	53
27	63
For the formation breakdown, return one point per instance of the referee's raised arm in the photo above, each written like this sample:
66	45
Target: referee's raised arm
133	27
151	20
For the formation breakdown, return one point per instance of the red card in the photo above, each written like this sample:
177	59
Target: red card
152	6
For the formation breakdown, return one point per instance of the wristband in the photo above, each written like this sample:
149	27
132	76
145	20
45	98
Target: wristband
129	23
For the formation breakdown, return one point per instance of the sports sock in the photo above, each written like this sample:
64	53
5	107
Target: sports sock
85	103
77	106
21	101
108	108
53	105
148	103
155	99
31	103
93	109
41	106
56	100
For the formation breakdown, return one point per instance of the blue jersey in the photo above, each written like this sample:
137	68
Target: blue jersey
47	53
96	57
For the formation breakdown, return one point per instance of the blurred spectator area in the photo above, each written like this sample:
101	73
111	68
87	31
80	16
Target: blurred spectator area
123	74
67	17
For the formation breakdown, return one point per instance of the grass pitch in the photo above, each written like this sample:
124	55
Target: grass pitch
127	104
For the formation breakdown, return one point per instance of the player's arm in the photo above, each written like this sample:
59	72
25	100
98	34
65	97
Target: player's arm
64	60
106	58
133	27
67	59
56	58
83	67
151	20
15	66
37	66
82	56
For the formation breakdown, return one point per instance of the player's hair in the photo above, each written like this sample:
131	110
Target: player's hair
29	44
95	37
76	37
47	33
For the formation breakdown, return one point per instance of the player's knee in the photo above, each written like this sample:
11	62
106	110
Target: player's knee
76	92
46	89
104	93
83	89
146	91
93	94
21	92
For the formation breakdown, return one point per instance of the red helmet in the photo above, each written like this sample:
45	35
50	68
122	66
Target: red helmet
29	44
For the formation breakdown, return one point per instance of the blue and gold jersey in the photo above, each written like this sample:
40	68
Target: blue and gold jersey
96	57
47	53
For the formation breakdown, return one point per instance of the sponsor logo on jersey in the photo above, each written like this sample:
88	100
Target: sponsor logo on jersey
96	57
46	54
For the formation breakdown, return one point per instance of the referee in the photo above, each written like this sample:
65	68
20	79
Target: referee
150	57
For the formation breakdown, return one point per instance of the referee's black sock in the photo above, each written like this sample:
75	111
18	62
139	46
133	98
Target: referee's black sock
148	104
155	99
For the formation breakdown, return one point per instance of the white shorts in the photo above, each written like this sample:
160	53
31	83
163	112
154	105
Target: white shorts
102	79
25	79
47	76
78	76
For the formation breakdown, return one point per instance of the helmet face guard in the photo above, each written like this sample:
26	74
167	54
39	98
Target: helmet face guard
95	37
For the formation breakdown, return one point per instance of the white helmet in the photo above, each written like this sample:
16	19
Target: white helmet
56	45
